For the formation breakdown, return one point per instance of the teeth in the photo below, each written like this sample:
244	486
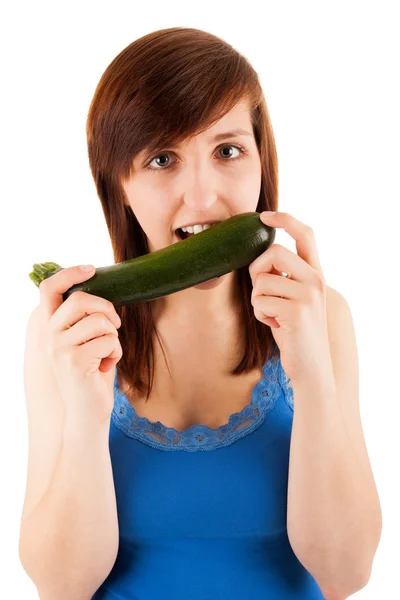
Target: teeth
197	228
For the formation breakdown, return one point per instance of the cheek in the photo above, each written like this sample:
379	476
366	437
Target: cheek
146	201
246	190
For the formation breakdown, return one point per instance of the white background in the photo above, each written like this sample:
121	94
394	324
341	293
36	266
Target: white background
330	73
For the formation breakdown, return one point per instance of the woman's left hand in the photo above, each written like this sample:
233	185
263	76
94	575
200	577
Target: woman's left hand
293	306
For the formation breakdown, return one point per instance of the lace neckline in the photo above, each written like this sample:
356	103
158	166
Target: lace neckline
198	436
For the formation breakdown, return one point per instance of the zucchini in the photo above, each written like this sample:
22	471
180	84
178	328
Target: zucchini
229	245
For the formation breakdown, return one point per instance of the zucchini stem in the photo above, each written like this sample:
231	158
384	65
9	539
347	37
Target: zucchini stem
42	271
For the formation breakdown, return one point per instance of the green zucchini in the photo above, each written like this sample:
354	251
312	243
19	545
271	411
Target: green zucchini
225	247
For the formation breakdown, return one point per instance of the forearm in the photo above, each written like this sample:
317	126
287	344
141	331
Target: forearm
70	540
331	502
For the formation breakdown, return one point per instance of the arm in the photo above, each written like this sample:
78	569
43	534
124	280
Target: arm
69	543
334	519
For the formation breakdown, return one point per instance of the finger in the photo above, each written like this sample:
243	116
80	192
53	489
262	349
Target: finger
276	286
278	260
80	305
303	235
52	288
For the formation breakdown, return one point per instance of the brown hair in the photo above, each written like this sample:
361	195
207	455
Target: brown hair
161	89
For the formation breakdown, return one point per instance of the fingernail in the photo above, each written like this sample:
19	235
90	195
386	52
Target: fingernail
268	213
86	267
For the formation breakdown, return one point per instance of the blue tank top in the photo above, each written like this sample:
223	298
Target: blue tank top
202	513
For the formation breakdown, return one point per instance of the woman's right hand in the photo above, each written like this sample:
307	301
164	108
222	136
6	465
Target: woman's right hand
82	345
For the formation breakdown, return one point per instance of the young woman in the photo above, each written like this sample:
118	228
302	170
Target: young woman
163	468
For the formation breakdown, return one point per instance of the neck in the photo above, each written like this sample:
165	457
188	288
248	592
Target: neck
200	336
200	307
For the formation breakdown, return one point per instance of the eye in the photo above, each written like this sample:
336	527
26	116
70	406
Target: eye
164	167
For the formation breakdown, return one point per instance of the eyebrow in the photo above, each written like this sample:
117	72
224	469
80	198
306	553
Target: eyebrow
229	134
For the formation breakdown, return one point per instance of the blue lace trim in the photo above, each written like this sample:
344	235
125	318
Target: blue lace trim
201	437
286	385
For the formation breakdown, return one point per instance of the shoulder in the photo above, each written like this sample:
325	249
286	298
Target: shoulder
338	311
341	334
334	298
34	322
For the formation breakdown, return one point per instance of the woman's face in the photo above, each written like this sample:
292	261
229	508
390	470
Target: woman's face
200	181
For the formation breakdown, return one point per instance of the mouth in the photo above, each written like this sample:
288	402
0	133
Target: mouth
183	235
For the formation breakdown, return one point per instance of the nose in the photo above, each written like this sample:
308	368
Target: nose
199	188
